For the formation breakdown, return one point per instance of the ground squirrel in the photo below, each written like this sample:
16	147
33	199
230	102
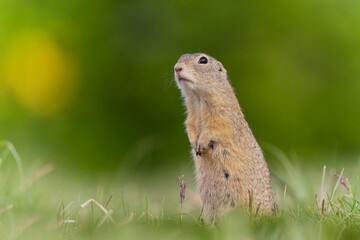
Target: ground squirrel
230	167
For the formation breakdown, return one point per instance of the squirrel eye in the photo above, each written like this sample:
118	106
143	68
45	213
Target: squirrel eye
203	60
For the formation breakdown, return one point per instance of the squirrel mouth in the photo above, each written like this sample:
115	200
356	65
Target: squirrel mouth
181	79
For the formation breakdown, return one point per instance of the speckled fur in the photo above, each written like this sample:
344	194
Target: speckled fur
230	167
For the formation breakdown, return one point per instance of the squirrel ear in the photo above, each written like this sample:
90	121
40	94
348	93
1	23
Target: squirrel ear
221	68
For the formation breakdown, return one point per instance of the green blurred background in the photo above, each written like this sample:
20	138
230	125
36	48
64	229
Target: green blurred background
88	85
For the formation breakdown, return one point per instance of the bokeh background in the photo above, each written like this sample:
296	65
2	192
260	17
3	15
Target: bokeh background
88	85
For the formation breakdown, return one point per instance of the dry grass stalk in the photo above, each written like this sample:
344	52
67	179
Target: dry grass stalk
182	185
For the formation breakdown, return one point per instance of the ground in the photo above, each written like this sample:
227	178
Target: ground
43	201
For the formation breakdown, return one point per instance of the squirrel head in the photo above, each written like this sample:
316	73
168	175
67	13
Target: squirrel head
198	73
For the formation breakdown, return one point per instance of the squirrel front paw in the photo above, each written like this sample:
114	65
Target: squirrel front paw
202	147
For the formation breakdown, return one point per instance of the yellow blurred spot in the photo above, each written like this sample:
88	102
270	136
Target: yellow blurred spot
39	74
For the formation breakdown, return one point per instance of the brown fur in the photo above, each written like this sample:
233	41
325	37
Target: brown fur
230	167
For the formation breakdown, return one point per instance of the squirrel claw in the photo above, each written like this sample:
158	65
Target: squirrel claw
211	144
200	149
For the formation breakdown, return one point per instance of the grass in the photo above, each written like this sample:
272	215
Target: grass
43	202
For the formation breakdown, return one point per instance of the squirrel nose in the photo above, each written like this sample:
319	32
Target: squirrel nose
178	69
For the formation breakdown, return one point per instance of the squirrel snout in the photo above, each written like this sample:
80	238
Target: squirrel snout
178	68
